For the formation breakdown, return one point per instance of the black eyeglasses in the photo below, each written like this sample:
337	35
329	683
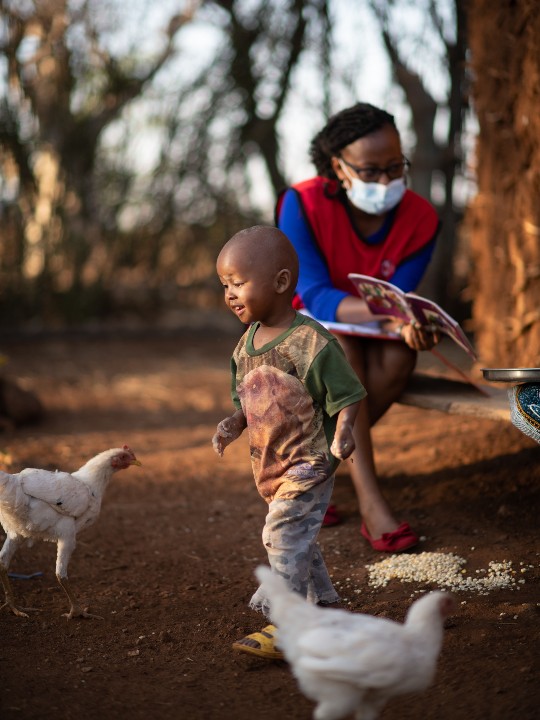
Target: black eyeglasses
372	174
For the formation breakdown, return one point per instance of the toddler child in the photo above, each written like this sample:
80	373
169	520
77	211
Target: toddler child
294	390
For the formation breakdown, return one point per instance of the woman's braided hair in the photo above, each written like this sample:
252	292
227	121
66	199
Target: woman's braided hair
342	129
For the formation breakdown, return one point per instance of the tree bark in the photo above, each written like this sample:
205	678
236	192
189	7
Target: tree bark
504	219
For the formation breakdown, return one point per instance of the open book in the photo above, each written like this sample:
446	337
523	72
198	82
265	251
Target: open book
369	329
386	299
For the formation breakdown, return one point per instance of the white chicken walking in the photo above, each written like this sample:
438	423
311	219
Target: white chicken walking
55	506
352	664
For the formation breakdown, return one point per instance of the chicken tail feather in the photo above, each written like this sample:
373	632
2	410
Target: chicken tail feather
10	490
283	601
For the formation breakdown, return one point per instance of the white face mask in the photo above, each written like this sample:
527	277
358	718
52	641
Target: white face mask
375	198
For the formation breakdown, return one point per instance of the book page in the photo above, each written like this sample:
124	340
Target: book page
382	298
372	329
432	314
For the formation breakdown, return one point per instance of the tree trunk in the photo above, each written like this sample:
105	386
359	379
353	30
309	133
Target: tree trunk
504	218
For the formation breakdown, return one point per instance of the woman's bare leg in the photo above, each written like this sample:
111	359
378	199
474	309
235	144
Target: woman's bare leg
383	368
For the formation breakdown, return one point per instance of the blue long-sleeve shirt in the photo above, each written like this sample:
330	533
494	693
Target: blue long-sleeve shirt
314	283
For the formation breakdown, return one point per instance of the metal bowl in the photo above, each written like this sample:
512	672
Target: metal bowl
514	375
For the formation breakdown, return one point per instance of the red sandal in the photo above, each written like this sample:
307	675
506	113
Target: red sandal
331	517
393	542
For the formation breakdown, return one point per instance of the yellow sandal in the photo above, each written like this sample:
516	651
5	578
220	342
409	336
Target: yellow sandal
265	642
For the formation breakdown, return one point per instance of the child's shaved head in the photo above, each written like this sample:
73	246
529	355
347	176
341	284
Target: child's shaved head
264	248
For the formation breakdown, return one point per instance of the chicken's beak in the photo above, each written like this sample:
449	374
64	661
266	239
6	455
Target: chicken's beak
136	462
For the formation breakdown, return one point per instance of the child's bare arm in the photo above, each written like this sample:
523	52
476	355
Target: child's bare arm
343	444
228	430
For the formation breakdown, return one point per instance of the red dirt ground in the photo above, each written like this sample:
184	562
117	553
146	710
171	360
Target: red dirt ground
169	564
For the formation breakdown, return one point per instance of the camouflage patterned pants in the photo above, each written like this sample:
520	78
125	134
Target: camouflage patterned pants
290	538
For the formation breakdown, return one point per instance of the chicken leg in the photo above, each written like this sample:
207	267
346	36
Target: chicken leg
10	599
75	610
6	555
65	547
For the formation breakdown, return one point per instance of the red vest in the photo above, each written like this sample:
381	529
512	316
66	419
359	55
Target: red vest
414	225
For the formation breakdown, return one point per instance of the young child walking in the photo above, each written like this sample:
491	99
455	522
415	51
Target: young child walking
294	390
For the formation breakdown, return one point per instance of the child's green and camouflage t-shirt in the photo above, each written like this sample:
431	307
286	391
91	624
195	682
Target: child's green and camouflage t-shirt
290	392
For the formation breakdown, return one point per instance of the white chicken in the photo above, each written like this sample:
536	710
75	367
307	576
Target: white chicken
55	506
352	664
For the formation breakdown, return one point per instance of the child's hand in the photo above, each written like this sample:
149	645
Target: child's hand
343	444
228	430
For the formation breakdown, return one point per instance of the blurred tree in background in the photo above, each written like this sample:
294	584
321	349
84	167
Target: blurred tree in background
440	155
84	229
62	90
136	138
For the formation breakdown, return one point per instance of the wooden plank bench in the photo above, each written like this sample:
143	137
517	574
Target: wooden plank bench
456	398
